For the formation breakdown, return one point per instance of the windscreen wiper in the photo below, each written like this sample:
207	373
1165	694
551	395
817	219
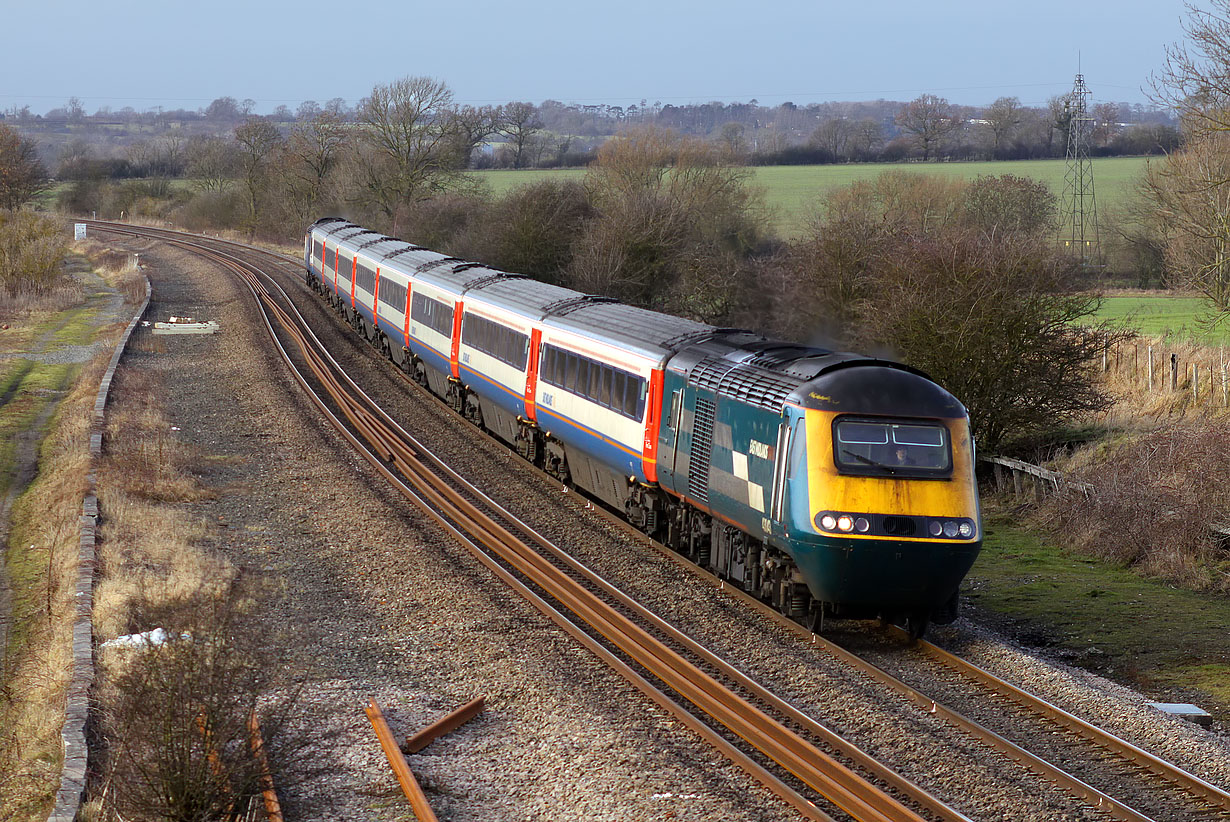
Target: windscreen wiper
889	468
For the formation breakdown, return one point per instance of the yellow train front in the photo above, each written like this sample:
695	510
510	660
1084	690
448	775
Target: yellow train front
883	517
838	485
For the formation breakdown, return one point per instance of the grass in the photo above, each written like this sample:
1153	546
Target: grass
793	191
41	567
1161	315
1144	633
41	552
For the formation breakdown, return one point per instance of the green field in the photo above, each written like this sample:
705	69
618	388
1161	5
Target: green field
792	191
1161	315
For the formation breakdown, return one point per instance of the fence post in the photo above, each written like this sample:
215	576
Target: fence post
1225	390
1174	372
1195	383
1150	369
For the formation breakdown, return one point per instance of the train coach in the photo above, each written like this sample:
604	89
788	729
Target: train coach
829	484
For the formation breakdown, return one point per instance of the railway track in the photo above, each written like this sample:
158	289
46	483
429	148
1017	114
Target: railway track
810	767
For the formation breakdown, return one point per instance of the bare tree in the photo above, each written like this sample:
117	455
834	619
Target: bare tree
407	143
833	135
1190	189
520	123
930	119
22	174
1003	117
474	124
257	139
311	153
1191	200
1059	107
733	142
1105	123
212	162
307	110
1196	78
223	108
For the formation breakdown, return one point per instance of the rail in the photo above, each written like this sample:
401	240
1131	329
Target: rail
392	449
409	467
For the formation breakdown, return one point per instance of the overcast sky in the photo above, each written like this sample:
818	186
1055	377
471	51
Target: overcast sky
147	53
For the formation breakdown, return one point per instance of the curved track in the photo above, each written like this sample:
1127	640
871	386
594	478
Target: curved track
810	767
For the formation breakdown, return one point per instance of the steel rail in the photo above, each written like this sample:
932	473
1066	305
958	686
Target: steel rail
1104	739
1096	798
401	769
350	410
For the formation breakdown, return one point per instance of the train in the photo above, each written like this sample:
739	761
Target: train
830	484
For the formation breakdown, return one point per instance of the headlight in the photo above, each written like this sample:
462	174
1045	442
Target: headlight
950	529
862	525
845	523
828	522
935	528
966	530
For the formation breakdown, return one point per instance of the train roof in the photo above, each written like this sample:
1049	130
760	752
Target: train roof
458	276
638	330
529	298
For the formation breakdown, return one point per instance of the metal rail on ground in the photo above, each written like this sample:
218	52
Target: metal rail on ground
837	783
387	448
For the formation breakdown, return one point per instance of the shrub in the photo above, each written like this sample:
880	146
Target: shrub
1156	501
176	713
32	248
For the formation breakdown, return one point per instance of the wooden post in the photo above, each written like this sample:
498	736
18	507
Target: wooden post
1016	482
1135	360
1105	350
1174	372
1150	386
1195	383
1225	389
999	476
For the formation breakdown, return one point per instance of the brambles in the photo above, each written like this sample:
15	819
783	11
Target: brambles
1158	503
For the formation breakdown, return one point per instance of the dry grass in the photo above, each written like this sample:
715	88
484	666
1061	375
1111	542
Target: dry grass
42	565
1159	497
1161	479
149	551
42	569
1127	369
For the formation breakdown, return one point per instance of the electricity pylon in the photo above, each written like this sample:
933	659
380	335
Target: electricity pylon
1078	229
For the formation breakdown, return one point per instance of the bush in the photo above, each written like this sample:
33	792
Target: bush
1155	501
176	714
532	230
213	210
32	248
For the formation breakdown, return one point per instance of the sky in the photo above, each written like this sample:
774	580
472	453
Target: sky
147	53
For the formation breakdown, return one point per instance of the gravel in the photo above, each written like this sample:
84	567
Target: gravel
396	612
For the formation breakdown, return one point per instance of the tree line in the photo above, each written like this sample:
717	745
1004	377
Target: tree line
555	134
945	275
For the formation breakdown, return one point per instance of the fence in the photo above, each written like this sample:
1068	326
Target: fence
1023	477
1159	368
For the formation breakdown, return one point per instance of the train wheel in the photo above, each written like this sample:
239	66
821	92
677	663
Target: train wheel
915	624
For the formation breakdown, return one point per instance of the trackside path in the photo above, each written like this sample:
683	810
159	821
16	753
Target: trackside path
62	345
